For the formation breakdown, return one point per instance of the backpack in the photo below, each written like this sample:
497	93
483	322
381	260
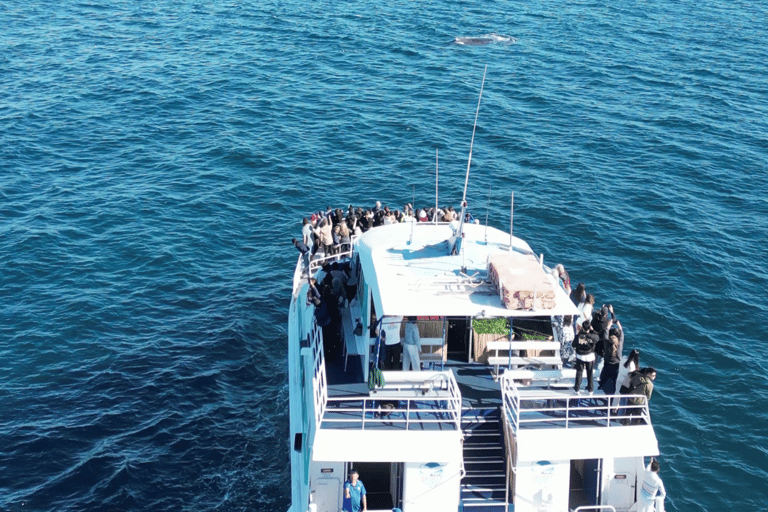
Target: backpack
637	383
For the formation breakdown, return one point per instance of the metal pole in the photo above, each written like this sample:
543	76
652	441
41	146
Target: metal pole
437	172
511	218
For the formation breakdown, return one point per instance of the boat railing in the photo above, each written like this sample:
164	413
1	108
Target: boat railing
346	251
594	508
409	401
528	408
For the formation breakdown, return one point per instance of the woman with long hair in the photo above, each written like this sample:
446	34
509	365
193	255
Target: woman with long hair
631	363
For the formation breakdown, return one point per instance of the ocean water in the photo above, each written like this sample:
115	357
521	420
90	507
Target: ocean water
156	158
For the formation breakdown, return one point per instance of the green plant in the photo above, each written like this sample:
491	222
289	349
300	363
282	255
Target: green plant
531	337
491	325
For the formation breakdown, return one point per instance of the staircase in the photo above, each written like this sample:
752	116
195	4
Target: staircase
483	488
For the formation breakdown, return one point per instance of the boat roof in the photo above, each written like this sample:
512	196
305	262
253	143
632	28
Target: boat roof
410	271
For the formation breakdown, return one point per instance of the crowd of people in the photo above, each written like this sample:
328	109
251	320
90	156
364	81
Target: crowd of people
595	334
331	232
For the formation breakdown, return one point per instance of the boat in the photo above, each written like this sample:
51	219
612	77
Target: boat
479	425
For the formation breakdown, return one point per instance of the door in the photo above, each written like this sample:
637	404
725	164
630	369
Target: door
621	487
328	494
585	483
592	469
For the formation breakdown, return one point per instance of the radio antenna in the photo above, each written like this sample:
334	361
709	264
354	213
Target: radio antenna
487	207
413	198
456	246
437	172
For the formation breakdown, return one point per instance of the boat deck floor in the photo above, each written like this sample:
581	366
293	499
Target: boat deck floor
478	388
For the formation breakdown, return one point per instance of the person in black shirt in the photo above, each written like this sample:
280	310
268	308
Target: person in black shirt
584	346
304	250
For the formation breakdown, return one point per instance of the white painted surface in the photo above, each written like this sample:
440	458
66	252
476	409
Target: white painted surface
586	443
422	279
542	486
431	486
386	446
620	476
327	494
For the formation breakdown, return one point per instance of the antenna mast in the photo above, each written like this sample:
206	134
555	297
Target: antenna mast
460	231
437	171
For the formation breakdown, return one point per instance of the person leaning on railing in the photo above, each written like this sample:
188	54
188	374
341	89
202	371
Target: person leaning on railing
640	384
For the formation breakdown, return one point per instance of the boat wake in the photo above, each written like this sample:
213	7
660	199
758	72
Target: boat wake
484	39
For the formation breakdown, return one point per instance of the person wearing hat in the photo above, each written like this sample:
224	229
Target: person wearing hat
354	494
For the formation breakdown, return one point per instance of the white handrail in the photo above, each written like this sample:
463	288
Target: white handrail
595	507
596	410
446	406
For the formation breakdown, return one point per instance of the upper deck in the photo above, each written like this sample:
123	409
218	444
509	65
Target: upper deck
411	271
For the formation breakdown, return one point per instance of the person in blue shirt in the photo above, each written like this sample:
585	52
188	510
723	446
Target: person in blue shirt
354	494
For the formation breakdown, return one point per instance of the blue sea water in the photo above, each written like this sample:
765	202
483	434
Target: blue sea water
156	157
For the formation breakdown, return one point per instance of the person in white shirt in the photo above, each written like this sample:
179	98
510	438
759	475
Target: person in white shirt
585	309
652	492
390	326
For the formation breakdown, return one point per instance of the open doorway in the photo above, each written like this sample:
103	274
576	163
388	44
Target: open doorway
457	339
585	483
383	483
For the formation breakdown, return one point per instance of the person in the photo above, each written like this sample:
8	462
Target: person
390	327
354	494
304	250
631	363
579	294
344	234
562	326
321	313
411	346
611	363
615	328
336	237
323	232
564	278
585	309
306	234
652	490
585	356
312	292
640	384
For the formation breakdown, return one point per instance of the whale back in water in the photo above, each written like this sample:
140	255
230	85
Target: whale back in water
484	39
